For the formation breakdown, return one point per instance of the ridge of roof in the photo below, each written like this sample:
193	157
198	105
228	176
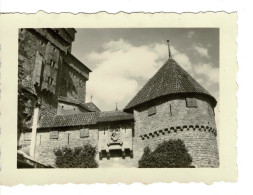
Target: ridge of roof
92	106
76	102
116	115
78	61
170	79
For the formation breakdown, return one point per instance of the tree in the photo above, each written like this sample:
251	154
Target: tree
78	157
169	154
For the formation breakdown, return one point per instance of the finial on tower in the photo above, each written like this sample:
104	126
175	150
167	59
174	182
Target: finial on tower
91	98
116	106
168	42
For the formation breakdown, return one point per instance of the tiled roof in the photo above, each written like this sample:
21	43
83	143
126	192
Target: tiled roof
89	118
170	79
82	119
92	107
115	116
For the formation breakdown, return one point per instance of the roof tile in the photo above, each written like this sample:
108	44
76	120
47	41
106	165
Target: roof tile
170	79
89	118
115	116
82	119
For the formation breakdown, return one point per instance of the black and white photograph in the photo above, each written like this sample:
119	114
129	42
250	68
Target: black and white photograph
129	97
118	98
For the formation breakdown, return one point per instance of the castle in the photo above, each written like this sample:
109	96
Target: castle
171	105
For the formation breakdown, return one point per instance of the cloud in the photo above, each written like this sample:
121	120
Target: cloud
207	69
183	60
203	52
117	69
120	69
117	45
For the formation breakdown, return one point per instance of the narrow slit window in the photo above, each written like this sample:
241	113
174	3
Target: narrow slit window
40	140
52	63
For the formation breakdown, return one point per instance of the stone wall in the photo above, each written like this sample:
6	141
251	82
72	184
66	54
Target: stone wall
56	36
65	108
44	62
173	120
31	44
66	138
70	137
73	85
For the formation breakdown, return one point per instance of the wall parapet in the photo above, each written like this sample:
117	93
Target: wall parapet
175	129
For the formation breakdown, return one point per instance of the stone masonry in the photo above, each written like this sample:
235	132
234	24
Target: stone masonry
171	105
173	120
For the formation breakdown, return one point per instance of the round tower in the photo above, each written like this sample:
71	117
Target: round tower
173	105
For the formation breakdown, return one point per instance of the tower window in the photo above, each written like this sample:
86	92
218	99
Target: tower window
191	103
152	111
84	133
54	134
52	63
49	80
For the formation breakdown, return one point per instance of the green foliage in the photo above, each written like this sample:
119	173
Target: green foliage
78	157
169	154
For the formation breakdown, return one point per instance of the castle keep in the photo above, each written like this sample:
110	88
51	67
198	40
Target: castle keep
171	105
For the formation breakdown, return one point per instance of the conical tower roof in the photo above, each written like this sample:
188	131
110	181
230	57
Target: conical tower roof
171	79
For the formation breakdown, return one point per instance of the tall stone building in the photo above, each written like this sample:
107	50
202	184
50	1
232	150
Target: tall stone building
171	105
49	74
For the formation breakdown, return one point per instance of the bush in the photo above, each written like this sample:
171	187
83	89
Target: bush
78	157
169	154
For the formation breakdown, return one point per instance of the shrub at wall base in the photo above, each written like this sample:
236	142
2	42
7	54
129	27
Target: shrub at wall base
169	154
78	157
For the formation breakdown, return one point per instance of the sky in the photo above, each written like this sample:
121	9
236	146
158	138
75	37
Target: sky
123	60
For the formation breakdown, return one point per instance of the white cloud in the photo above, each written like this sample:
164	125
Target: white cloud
117	68
209	71
183	60
117	45
201	51
121	65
